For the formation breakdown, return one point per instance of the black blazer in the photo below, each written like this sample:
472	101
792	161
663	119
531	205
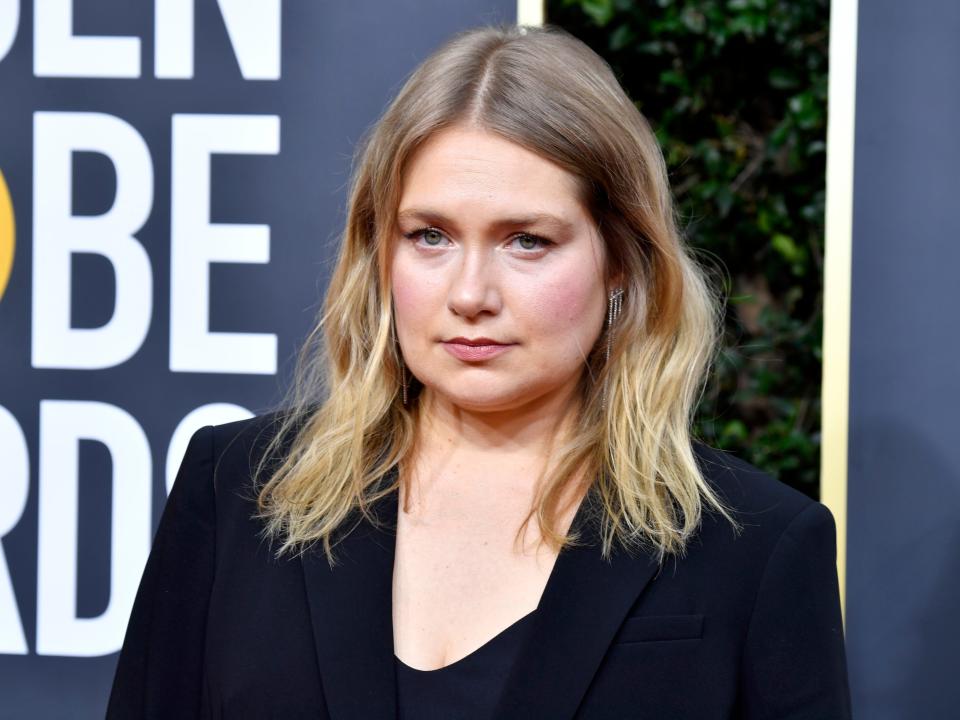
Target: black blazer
742	627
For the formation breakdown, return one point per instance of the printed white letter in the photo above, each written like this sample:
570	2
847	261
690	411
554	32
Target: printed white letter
254	30
14	487
196	242
63	424
57	52
58	234
9	20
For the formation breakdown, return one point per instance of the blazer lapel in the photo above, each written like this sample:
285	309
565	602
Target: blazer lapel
351	609
583	605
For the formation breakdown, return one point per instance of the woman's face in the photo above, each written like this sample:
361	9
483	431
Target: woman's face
497	273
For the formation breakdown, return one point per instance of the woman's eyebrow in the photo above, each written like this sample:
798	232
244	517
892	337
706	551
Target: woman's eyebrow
423	215
433	217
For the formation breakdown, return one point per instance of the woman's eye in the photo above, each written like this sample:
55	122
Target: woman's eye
530	242
431	236
427	236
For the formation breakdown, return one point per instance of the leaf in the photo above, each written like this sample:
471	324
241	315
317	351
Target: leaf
785	245
783	79
622	37
600	11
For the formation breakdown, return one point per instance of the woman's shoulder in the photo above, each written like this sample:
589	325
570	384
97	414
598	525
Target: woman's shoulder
783	539
758	500
250	433
238	447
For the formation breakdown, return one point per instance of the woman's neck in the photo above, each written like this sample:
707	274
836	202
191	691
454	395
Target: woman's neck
490	462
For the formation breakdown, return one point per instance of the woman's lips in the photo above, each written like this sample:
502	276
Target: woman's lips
474	350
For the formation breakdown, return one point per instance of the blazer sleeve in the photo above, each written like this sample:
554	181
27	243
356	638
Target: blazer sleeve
794	663
160	670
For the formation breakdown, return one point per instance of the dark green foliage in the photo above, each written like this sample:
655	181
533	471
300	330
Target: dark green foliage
737	91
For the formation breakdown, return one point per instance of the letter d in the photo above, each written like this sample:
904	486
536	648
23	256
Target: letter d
63	424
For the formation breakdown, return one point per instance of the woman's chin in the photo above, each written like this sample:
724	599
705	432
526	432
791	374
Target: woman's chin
486	400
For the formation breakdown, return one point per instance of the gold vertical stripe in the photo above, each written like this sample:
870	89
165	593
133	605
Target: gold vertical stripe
7	235
530	12
841	103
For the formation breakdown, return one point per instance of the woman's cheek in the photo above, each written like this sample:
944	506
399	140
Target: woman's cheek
408	287
404	295
567	303
418	301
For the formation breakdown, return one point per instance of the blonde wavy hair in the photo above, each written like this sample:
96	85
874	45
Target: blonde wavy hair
345	427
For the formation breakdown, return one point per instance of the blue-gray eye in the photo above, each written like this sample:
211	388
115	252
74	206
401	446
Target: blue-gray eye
432	237
528	242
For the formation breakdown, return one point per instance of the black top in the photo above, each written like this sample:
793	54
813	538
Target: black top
467	689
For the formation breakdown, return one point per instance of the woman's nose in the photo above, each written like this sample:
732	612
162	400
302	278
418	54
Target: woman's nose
473	285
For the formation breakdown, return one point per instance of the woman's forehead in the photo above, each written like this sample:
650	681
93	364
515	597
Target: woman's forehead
471	169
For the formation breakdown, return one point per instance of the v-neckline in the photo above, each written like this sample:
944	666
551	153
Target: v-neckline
473	654
577	521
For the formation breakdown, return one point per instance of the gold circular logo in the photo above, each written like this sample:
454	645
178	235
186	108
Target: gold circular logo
6	235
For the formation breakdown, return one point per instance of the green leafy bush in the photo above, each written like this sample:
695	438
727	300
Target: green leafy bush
737	91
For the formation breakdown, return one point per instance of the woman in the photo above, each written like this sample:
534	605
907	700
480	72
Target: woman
484	500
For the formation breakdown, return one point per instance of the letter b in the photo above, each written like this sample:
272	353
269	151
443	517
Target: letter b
58	234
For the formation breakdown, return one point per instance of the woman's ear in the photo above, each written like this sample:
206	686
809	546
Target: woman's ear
614	269
615	281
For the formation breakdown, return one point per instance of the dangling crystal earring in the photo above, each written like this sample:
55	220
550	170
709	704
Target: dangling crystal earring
404	380
614	304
